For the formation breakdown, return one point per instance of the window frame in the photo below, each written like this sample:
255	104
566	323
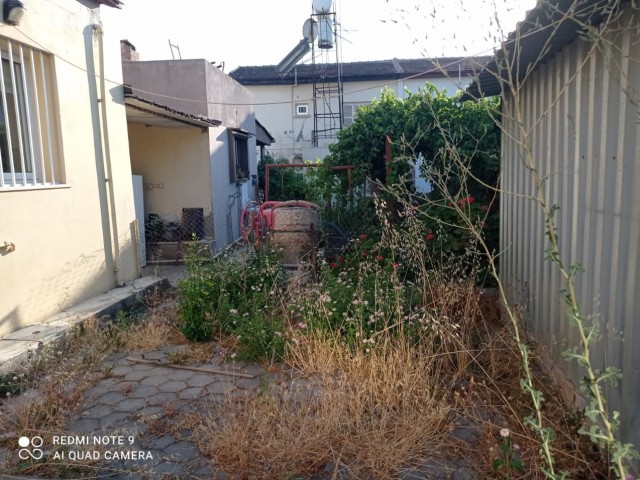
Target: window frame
27	114
302	105
348	120
238	155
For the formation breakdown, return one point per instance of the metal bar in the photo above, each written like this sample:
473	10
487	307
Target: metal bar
37	111
47	118
7	126
25	89
17	107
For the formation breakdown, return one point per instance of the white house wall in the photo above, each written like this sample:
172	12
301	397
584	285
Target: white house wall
63	246
586	139
276	109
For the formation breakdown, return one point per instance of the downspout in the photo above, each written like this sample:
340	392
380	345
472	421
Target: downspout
107	159
293	110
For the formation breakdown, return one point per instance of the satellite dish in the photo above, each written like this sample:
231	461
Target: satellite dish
309	30
322	6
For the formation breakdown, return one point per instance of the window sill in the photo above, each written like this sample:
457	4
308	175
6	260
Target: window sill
21	188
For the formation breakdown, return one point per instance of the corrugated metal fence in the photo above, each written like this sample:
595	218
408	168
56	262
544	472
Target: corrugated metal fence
581	117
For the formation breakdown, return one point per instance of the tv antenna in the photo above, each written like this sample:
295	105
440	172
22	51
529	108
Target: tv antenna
173	47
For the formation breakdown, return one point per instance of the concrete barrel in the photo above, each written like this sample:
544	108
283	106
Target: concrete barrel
294	230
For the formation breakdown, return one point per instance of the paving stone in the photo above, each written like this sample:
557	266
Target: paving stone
130	405
143	391
136	375
248	382
221	388
172	386
141	367
201	380
84	426
205	471
114	420
97	411
184	451
112	397
162	442
176	374
154	355
192	393
169	468
154	380
162	398
120	371
150	410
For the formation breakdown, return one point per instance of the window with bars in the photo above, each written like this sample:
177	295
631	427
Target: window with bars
27	135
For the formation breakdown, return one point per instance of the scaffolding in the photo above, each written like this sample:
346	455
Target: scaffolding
327	86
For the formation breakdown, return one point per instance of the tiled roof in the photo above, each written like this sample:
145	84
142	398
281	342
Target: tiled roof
363	71
111	3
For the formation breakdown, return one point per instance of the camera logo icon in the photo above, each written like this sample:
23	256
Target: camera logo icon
30	448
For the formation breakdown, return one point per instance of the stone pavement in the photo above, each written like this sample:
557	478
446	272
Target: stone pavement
140	400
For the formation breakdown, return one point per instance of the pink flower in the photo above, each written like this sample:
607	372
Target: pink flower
362	237
379	258
333	265
363	253
430	236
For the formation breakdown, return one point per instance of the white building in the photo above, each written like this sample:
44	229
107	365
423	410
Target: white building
285	104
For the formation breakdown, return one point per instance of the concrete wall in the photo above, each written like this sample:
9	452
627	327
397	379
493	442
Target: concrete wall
275	107
197	87
64	247
582	109
174	166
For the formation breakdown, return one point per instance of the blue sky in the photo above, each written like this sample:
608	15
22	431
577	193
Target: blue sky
261	32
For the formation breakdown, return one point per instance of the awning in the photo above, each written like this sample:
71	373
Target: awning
140	110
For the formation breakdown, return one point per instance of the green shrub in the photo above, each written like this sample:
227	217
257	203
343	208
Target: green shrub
234	297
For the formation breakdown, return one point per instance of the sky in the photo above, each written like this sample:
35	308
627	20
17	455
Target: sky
262	32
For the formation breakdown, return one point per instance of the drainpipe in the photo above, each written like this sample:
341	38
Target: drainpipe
107	159
293	110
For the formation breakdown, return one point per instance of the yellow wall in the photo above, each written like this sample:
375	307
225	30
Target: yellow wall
174	164
62	236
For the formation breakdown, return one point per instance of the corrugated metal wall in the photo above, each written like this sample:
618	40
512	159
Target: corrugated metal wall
581	118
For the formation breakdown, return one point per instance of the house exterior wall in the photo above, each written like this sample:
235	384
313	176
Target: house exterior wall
276	109
197	87
586	139
62	235
174	166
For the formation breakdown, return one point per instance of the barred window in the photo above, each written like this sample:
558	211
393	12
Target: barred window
26	119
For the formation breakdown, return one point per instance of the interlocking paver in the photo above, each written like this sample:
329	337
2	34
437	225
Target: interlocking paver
130	405
162	398
97	411
154	355
143	391
113	420
84	426
182	451
136	375
120	371
155	380
221	388
201	380
162	442
112	397
191	393
172	386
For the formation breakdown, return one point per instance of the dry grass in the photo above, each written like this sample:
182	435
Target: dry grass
371	413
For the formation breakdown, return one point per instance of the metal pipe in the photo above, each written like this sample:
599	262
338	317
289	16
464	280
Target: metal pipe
107	159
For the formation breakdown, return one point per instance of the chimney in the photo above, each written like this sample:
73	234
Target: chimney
128	51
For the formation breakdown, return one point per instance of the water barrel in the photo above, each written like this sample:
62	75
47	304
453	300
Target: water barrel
294	230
